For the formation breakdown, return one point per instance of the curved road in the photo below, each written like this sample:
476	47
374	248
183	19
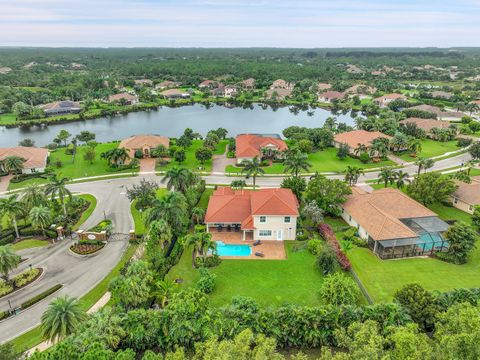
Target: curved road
80	274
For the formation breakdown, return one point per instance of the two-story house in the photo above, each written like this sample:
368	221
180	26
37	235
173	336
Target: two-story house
266	214
249	146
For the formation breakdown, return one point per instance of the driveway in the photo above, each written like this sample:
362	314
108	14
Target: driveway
220	162
147	165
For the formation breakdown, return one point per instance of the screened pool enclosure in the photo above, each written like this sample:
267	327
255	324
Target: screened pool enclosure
429	240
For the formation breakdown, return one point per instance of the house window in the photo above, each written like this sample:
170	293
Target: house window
263	219
265	232
349	218
455	200
286	219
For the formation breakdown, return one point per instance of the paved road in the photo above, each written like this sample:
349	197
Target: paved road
79	275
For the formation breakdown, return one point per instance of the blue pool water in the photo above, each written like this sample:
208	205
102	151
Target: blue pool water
233	249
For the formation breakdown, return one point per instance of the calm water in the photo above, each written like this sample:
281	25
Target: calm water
172	121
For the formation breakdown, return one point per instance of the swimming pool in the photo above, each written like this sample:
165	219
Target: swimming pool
233	249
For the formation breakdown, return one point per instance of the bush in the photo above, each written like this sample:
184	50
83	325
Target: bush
326	261
23	177
364	157
5	288
209	262
314	246
138	154
464	142
327	233
25	277
4	315
40	297
338	289
206	283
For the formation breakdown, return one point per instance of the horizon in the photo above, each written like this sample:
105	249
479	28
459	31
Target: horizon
210	24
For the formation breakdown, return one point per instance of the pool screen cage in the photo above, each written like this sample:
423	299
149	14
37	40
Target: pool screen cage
428	241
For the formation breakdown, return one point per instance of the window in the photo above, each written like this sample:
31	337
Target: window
263	219
286	219
265	232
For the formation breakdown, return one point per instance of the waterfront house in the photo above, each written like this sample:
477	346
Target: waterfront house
35	159
250	145
207	84
175	94
278	93
265	214
143	143
61	108
426	125
249	84
467	196
330	96
384	100
282	84
126	98
393	224
358	138
439	113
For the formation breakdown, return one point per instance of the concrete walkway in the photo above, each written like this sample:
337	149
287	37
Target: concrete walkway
147	165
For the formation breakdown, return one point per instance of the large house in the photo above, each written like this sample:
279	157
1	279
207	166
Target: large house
386	99
393	224
143	143
207	84
225	91
167	84
266	214
357	138
175	94
61	107
467	196
126	98
330	96
250	145
35	158
249	84
426	125
282	84
278	93
440	114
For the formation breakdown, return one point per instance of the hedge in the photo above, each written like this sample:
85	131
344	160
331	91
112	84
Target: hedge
40	297
329	235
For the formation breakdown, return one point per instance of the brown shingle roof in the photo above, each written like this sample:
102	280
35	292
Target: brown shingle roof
141	141
126	96
379	212
469	193
426	124
250	145
34	157
356	137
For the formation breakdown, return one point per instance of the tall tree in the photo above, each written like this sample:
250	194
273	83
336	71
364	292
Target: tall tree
64	135
296	161
329	194
423	164
461	241
252	169
386	176
62	318
41	218
352	174
13	164
179	179
8	261
12	208
431	187
57	188
401	179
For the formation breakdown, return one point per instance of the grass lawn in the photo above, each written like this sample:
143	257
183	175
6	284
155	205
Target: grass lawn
432	148
270	282
191	161
203	203
6	119
34	337
28	244
138	217
321	161
86	214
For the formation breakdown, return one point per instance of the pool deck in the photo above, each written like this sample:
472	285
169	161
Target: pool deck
273	250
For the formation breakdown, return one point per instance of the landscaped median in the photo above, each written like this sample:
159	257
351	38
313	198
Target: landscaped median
19	281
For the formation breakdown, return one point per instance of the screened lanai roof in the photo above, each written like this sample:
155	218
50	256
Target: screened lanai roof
429	224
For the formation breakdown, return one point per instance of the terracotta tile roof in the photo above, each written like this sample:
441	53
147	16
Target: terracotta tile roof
34	157
355	89
323	86
174	92
390	97
353	138
281	93
140	141
426	124
331	95
126	96
469	193
250	145
282	84
379	212
436	110
239	206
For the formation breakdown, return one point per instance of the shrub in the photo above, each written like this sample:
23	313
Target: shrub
364	157
327	261
338	289
138	154
314	246
210	261
3	315
206	283
464	142
41	296
5	288
329	236
25	277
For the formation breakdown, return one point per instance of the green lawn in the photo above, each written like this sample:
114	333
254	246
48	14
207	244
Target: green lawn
28	244
86	214
191	161
432	148
270	282
321	161
138	217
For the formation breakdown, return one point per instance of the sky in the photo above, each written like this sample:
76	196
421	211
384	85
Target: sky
240	23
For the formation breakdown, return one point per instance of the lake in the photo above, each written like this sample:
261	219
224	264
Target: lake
172	121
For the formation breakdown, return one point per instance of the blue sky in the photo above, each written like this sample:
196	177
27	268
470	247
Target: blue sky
240	23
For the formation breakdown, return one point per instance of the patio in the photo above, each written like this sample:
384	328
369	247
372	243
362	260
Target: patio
272	250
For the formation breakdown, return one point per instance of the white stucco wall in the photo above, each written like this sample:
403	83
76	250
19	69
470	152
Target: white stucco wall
276	224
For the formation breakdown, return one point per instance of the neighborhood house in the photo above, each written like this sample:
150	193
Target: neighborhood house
386	99
143	143
61	107
440	114
125	98
330	96
393	224
467	196
175	94
426	125
35	158
250	145
358	138
266	214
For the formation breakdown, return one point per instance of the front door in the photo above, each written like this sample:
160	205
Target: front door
279	235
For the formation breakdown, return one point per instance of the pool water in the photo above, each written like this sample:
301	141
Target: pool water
233	249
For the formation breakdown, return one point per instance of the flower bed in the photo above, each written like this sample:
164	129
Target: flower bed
87	247
329	235
19	281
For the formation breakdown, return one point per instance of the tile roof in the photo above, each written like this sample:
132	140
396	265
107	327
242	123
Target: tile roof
239	206
469	193
126	96
64	104
331	95
141	141
379	212
426	124
353	138
390	97
34	157
250	145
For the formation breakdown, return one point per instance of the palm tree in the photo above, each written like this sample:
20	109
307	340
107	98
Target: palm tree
8	261
415	146
401	178
11	208
62	317
352	174
198	214
194	241
33	196
379	148
470	164
57	188
179	179
40	216
252	169
361	148
116	156
238	184
13	164
164	289
295	161
386	175
424	164
201	242
172	208
159	235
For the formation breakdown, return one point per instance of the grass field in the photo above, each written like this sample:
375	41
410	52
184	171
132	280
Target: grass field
28	244
270	282
432	148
